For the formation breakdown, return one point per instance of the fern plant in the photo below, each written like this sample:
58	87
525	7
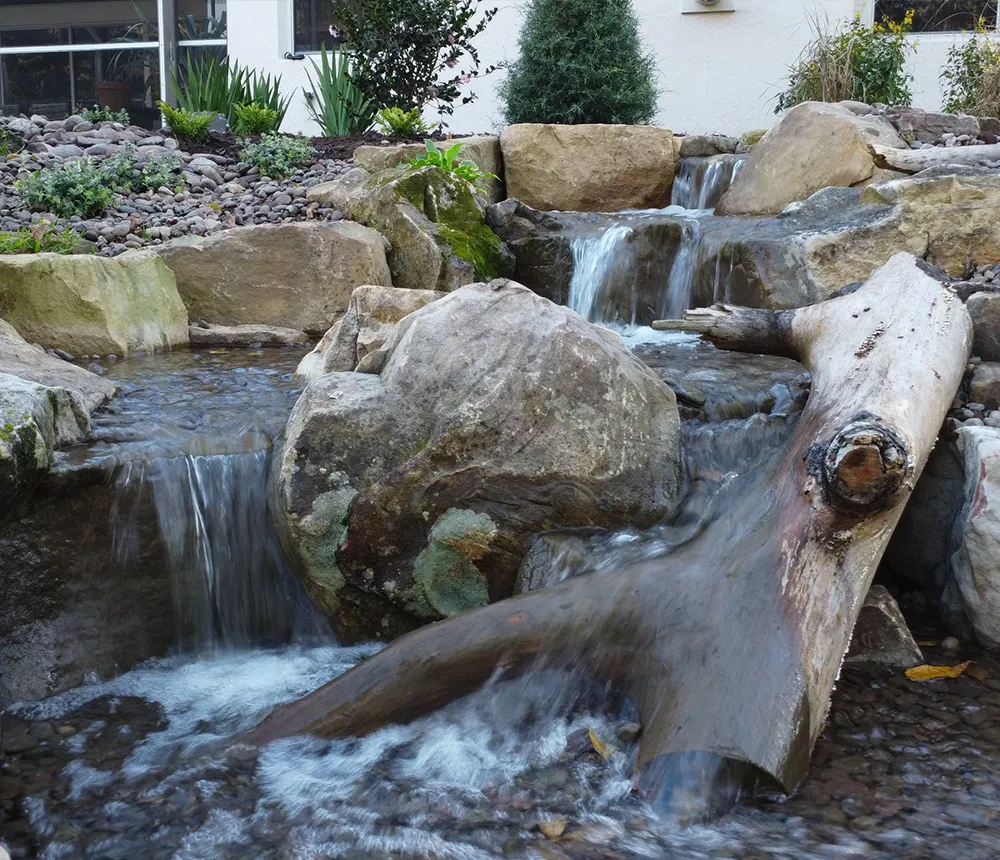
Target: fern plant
335	103
448	159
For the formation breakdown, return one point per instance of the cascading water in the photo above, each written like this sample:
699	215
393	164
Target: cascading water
596	256
701	182
697	255
231	584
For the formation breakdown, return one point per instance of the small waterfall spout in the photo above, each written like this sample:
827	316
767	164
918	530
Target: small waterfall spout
231	584
701	261
701	182
596	257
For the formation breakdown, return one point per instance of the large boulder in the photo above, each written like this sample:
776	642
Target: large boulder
814	145
482	150
45	403
589	168
93	305
297	275
434	221
414	494
975	562
363	329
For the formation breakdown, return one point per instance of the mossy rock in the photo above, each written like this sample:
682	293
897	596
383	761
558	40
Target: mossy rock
28	414
434	221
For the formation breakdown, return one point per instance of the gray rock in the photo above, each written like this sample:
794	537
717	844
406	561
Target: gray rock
984	308
245	335
66	150
414	494
881	635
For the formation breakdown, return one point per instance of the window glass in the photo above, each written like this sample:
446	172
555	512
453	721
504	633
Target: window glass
201	19
313	22
931	16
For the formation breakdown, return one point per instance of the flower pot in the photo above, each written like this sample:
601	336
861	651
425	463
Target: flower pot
114	95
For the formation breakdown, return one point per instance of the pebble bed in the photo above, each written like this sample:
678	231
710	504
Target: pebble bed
214	191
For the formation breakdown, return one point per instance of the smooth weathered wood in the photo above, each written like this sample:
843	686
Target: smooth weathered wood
730	644
915	160
736	328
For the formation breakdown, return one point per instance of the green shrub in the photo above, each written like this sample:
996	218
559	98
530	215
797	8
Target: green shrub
98	114
276	155
254	119
448	159
408	54
581	61
72	188
966	73
184	124
211	85
855	62
38	238
333	101
395	122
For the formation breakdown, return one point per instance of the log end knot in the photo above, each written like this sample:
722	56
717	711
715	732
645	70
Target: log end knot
864	467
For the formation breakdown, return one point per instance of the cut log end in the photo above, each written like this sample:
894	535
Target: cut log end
865	467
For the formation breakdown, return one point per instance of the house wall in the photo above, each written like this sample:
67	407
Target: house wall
719	72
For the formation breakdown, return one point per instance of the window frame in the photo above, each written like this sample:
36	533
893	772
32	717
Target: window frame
289	40
866	8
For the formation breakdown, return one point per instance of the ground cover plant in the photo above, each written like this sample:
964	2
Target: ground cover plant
277	155
449	159
39	238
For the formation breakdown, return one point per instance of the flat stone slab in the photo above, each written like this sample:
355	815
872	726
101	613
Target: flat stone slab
245	335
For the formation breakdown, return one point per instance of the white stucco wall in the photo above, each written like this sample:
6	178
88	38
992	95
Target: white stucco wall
719	72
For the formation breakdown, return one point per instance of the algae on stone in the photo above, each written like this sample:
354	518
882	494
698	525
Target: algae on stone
88	304
446	579
434	221
320	535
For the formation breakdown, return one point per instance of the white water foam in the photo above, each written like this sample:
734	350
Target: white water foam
594	257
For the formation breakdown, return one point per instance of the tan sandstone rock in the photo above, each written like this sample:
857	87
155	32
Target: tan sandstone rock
483	150
298	275
589	168
87	304
814	145
366	326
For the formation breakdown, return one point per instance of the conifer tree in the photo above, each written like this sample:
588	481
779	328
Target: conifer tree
581	61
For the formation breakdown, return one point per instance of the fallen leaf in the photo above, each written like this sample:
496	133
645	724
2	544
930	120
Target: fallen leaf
928	643
605	751
977	672
553	828
929	673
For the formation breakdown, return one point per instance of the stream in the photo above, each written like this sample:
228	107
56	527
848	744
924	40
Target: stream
139	765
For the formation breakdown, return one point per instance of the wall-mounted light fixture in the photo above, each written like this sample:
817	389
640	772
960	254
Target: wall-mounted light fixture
695	7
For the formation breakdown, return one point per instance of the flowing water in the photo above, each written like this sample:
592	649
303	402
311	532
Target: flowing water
138	766
701	182
615	263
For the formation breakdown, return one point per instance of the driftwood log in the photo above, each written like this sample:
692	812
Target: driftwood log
915	160
731	644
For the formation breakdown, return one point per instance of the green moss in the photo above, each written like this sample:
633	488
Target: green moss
446	579
481	247
321	534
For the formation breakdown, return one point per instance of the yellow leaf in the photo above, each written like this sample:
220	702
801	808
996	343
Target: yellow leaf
605	751
929	673
927	642
553	828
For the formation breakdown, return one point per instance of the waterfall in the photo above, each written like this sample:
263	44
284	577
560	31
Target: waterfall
595	257
230	581
701	182
697	255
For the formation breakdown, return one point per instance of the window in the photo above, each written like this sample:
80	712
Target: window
313	20
932	16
